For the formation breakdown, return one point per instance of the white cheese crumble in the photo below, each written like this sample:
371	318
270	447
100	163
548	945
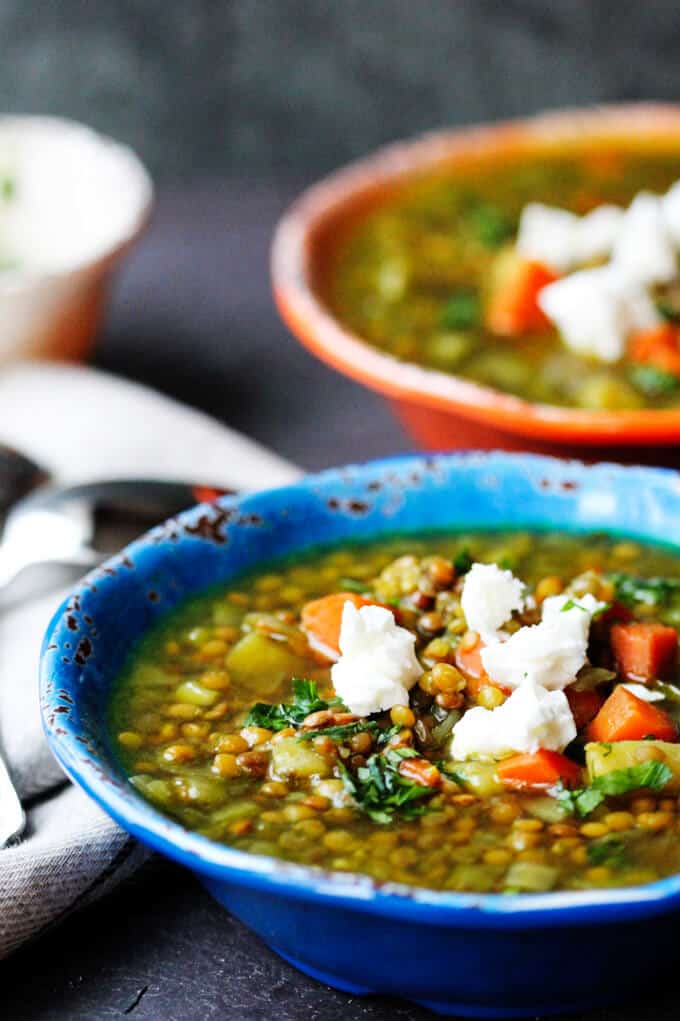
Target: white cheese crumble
596	309
561	239
644	252
597	232
378	665
553	608
489	597
531	718
646	694
671	212
549	654
546	235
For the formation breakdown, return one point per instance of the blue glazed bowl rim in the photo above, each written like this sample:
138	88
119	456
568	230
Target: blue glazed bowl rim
311	883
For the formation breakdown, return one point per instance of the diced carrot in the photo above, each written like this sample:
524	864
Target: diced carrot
469	662
542	769
421	772
513	307
322	619
659	347
625	717
644	650
584	705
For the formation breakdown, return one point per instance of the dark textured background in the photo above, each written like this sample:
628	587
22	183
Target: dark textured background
262	86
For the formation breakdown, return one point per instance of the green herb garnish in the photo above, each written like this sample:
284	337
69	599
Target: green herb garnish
379	789
651	381
462	311
653	775
573	604
306	700
667	311
344	731
489	224
462	562
353	585
582	801
610	851
671	692
651	591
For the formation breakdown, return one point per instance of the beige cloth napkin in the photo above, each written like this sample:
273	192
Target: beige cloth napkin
85	425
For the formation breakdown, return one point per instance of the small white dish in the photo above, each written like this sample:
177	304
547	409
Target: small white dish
71	202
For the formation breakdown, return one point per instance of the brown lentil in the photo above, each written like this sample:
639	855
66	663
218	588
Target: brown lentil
304	817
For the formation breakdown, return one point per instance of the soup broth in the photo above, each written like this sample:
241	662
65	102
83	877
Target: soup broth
416	276
226	720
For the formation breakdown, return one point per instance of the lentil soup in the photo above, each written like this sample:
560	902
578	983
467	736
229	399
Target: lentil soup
227	717
433	274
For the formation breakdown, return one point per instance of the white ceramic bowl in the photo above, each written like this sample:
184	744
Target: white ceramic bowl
71	202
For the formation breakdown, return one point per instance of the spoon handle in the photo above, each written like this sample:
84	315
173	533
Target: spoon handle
18	476
12	817
13	566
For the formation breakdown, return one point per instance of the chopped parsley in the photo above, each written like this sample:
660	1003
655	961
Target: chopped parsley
379	789
353	585
573	604
462	311
582	801
462	562
667	310
651	381
489	224
610	851
651	591
306	700
343	731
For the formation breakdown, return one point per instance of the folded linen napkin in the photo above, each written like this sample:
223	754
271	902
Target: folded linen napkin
84	425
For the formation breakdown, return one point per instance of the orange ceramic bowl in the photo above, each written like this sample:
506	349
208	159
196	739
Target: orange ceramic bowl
440	410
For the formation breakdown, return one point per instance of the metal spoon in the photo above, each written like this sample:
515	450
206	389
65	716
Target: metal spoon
80	526
12	817
18	476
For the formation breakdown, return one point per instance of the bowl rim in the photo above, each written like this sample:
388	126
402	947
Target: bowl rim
313	323
141	200
353	891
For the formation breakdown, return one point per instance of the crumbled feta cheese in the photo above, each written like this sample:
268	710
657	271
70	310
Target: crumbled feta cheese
490	595
531	718
378	665
671	212
587	604
646	694
561	239
550	653
546	235
596	233
643	252
596	309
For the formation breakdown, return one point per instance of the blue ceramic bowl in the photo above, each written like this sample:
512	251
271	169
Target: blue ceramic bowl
478	955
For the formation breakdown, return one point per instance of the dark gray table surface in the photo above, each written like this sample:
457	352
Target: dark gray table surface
192	315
